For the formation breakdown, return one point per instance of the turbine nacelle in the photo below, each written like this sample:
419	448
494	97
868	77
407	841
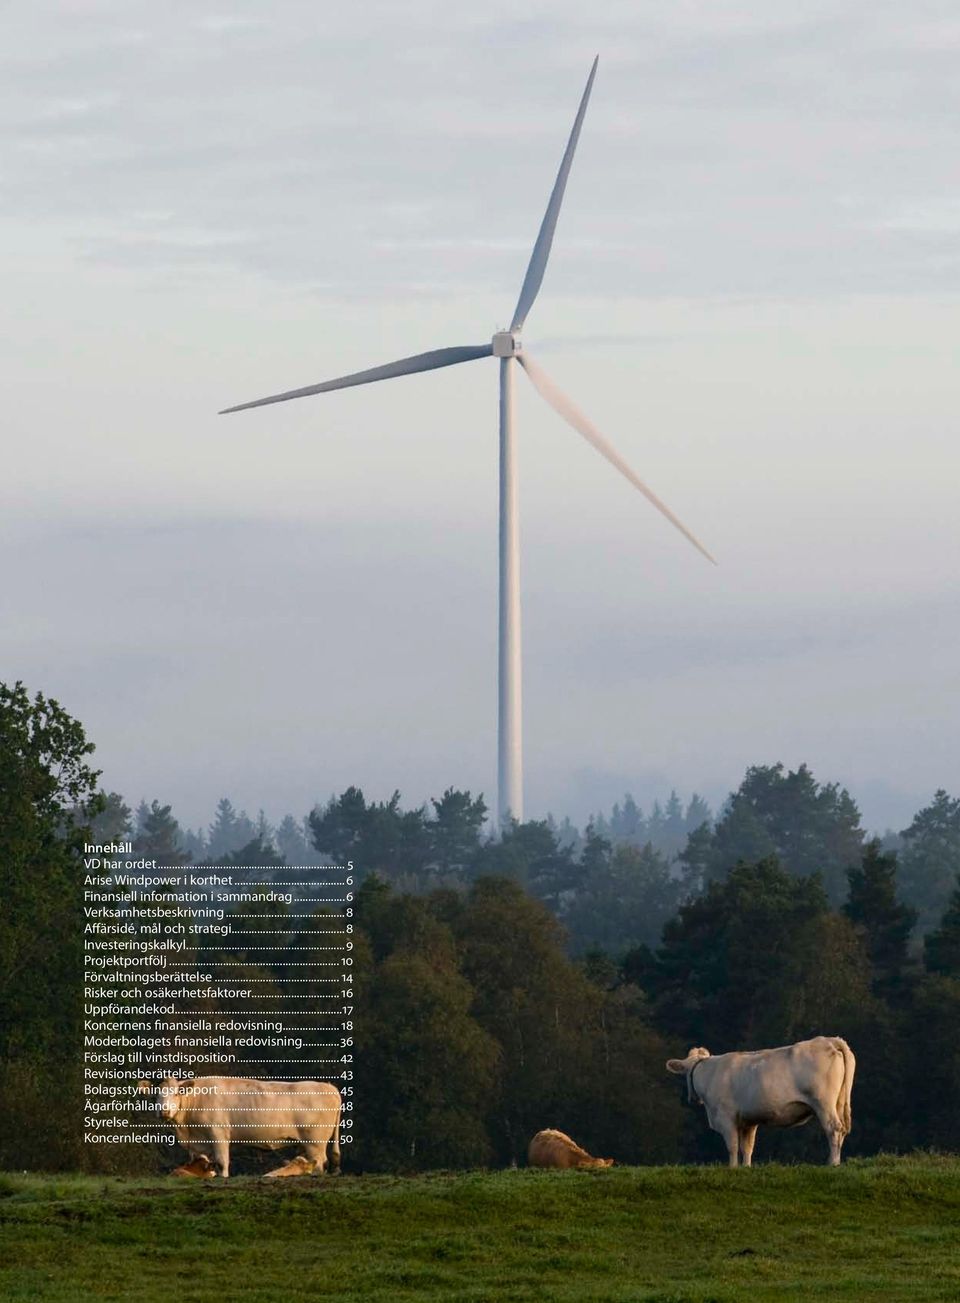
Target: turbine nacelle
505	343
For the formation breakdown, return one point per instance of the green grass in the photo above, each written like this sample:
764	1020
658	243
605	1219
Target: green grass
886	1228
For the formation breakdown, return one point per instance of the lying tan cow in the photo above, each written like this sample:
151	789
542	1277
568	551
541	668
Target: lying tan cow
554	1149
199	1166
784	1087
211	1113
299	1166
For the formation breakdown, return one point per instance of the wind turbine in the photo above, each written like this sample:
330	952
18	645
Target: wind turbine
506	346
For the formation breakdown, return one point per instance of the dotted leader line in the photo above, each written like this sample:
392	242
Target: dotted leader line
218	1126
204	869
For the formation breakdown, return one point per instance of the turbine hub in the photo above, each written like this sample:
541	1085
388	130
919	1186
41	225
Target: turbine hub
505	344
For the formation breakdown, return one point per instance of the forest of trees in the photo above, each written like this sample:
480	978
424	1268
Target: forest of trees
539	978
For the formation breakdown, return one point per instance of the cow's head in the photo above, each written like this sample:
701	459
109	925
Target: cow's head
170	1098
685	1067
166	1096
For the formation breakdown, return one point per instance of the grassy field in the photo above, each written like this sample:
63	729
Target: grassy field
876	1229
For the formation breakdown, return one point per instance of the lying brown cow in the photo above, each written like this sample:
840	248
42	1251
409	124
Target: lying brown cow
299	1166
198	1166
554	1149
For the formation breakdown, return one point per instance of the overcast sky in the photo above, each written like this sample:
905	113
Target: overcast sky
753	291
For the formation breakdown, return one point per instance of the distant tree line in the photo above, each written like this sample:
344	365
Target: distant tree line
614	885
536	979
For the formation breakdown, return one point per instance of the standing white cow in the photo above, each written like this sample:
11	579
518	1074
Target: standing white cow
780	1088
210	1113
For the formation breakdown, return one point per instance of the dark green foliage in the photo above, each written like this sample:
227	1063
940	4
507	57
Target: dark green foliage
291	842
758	959
941	948
114	822
158	835
666	829
624	897
228	832
429	1069
529	853
48	796
935	1069
256	853
810	827
378	837
884	921
930	860
455	832
572	1055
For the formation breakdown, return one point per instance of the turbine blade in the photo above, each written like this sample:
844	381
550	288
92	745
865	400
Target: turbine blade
404	367
572	414
541	250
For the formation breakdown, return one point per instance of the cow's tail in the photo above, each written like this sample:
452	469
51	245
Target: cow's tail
846	1088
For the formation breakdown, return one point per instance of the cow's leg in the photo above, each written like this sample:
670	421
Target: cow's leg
221	1156
727	1127
317	1155
335	1153
748	1136
833	1129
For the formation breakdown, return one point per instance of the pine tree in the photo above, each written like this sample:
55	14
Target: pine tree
529	853
264	831
697	813
222	834
158	835
624	899
931	857
758	959
810	827
674	828
696	861
454	831
627	824
883	920
114	823
194	843
290	840
941	948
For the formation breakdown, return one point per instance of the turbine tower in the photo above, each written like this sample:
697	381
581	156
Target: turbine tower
506	347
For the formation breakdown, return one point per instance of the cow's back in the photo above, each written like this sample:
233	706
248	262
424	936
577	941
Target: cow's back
779	1086
269	1113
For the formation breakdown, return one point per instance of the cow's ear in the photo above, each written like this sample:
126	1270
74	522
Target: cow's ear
143	1086
677	1066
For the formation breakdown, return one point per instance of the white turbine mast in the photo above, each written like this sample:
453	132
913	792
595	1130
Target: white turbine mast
506	346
